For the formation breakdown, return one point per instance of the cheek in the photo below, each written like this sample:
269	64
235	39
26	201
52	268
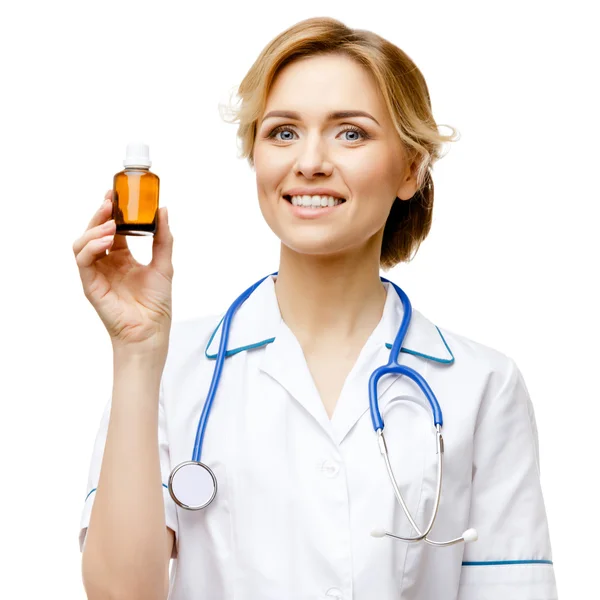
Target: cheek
373	184
270	170
269	157
371	174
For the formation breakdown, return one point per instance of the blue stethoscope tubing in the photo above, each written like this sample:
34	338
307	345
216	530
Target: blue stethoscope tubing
212	391
392	367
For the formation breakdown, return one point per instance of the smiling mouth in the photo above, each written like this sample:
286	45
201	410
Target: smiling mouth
289	199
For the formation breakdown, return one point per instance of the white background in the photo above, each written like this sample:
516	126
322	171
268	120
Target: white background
511	260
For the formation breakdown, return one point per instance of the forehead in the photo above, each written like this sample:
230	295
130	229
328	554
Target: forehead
317	85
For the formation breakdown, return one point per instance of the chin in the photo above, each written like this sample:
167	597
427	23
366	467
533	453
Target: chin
311	247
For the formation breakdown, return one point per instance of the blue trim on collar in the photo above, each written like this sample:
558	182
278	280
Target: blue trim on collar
235	350
506	562
446	361
228	353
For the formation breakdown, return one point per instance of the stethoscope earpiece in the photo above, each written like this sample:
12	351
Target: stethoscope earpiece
470	535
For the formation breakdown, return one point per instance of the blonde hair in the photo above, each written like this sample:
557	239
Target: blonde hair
404	91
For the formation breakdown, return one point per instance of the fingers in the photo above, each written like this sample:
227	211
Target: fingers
94	249
100	225
91	252
120	241
101	214
100	237
162	246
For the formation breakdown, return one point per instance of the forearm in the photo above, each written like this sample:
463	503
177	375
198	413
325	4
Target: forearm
124	553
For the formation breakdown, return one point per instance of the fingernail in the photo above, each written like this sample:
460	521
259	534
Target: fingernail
167	215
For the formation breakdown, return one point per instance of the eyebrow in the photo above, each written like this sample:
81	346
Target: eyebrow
340	114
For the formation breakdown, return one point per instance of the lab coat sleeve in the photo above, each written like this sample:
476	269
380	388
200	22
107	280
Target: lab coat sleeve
96	464
512	558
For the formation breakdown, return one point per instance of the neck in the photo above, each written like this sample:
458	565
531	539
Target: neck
330	300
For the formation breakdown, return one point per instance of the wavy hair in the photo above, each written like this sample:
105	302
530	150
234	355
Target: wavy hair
405	94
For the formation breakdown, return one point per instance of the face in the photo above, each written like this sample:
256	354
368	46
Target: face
360	158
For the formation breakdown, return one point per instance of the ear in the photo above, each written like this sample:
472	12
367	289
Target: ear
408	187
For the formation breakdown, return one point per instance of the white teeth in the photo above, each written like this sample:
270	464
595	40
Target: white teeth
315	201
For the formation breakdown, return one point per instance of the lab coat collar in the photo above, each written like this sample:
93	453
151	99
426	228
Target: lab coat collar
258	319
258	323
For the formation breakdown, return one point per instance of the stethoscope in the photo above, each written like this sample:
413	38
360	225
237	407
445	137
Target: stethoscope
193	485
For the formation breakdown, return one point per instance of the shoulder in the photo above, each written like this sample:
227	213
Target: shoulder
487	368
474	354
188	339
486	374
189	330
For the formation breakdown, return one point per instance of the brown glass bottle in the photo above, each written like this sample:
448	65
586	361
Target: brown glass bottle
135	194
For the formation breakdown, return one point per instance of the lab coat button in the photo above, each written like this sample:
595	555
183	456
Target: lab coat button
330	468
334	593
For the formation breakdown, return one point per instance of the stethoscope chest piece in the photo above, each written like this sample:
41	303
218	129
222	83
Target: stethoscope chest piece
192	485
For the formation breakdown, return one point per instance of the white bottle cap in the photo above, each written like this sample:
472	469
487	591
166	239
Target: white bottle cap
137	155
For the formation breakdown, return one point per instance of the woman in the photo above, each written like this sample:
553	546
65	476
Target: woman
301	482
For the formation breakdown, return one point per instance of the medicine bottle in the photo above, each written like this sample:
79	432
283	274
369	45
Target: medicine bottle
135	193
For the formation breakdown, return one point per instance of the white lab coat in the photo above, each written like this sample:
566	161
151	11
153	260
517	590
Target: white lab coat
298	493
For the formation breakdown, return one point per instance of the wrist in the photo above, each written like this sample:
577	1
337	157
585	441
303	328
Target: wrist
151	357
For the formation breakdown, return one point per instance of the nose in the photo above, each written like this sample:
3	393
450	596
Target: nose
311	158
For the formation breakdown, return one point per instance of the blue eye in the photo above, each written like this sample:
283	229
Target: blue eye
353	128
279	130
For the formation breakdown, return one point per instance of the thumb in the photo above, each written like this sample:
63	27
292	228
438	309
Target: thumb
162	245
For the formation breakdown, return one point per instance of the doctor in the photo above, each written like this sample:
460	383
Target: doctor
301	481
